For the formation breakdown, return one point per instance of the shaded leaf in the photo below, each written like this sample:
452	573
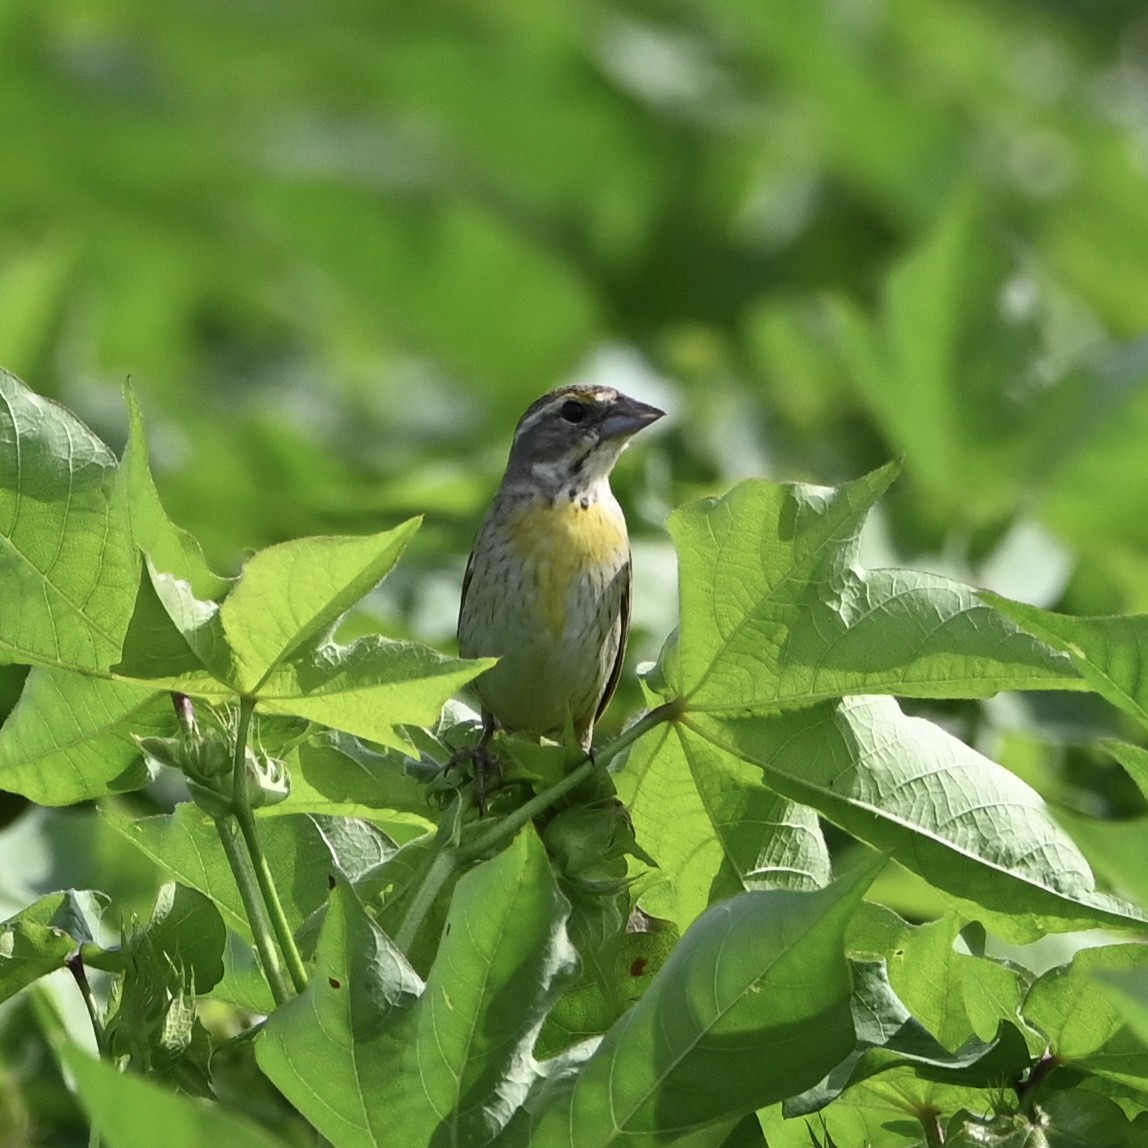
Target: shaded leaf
129	1111
70	736
39	939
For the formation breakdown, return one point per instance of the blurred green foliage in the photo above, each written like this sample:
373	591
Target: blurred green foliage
338	248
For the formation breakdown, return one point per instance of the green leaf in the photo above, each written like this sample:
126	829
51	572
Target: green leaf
889	1035
187	928
1080	1022
776	611
172	550
130	1112
411	1064
291	594
1117	850
69	738
1110	653
752	1006
905	787
713	827
39	939
67	563
175	641
1127	988
335	774
1134	759
303	853
369	688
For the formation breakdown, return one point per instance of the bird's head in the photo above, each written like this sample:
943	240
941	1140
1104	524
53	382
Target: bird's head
572	436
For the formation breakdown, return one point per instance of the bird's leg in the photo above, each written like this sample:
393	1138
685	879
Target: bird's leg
486	766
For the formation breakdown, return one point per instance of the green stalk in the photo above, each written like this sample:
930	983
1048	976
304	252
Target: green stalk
446	862
256	916
75	965
510	825
241	807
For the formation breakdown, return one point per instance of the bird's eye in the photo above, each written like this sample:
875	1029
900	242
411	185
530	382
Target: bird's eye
572	411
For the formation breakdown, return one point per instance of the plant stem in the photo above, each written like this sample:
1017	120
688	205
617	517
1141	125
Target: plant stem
437	876
510	825
241	806
75	965
446	862
256	916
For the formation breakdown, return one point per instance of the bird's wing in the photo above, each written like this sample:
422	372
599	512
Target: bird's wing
467	576
624	620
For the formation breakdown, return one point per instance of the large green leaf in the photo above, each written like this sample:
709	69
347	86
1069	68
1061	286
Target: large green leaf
368	688
752	1006
447	1062
713	827
67	563
69	738
906	787
776	612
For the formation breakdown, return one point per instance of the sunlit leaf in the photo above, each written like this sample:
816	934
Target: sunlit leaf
67	563
290	594
408	1062
714	827
905	786
752	1006
776	612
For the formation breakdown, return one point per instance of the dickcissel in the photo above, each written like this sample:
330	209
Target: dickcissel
547	587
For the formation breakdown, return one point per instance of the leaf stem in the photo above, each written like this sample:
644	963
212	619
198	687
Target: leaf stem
241	806
75	965
256	916
447	861
437	876
510	825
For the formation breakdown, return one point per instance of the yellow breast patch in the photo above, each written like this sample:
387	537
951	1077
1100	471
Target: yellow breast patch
561	542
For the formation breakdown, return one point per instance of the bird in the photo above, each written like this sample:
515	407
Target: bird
547	585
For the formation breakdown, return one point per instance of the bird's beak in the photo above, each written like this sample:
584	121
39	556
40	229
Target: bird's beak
627	417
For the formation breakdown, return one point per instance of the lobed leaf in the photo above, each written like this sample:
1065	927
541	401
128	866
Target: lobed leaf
291	594
1110	653
776	612
173	550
